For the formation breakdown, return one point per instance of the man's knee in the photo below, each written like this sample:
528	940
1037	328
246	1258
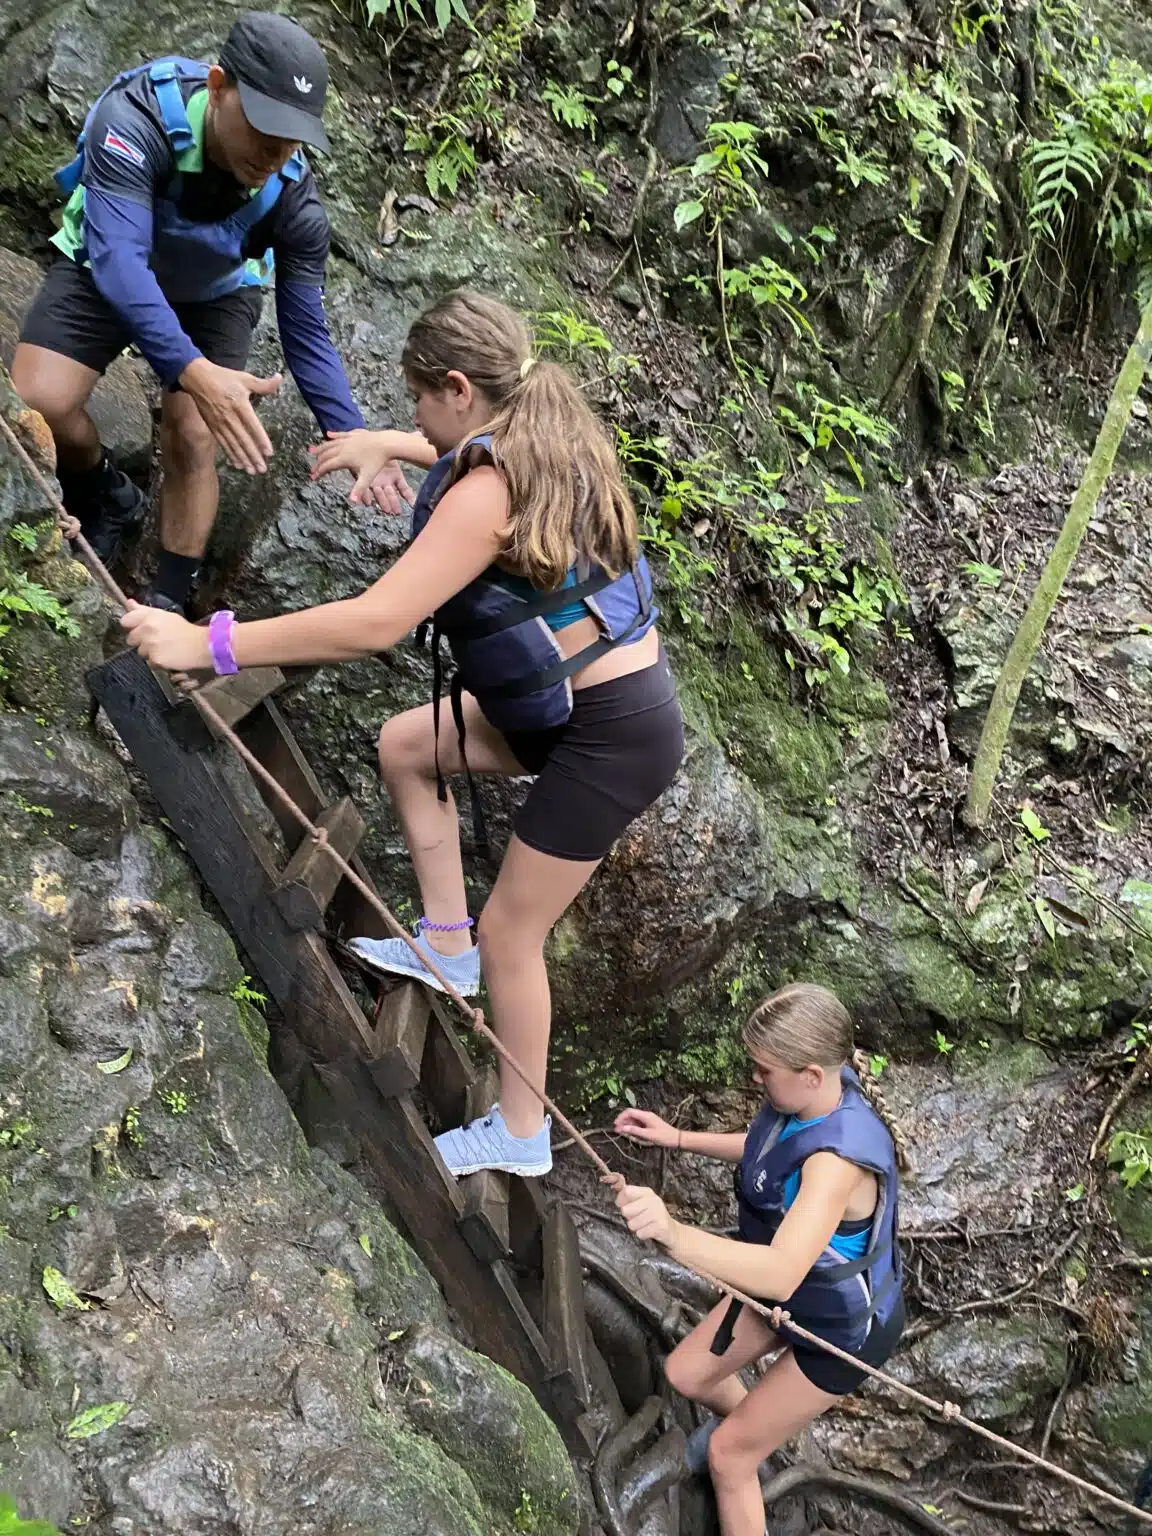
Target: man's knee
49	383
186	445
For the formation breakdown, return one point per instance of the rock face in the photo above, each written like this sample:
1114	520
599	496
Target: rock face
195	1309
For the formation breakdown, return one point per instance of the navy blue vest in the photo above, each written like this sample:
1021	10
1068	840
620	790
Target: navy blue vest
837	1294
505	654
193	260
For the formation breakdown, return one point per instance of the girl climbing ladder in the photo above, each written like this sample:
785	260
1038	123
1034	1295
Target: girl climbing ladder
526	557
816	1187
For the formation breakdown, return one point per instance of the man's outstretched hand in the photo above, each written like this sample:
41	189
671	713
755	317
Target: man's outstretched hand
223	398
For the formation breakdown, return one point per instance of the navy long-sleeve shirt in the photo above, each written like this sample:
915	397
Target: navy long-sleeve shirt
128	164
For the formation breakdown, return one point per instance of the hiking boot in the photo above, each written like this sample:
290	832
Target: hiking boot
394	958
696	1446
108	504
488	1143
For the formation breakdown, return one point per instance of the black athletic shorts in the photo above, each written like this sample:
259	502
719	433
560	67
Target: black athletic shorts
619	750
826	1371
71	316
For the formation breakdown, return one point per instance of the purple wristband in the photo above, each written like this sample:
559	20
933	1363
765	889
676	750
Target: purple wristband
220	642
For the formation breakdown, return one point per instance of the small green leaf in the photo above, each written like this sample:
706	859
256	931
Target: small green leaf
366	1243
116	1065
686	212
94	1421
1076	1192
1032	824
1044	913
61	1292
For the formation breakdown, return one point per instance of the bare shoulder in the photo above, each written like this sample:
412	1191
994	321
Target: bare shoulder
479	497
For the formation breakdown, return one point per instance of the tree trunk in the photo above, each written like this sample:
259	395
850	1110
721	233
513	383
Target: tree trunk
1026	641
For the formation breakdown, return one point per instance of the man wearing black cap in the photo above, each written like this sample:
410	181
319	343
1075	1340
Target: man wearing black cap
188	186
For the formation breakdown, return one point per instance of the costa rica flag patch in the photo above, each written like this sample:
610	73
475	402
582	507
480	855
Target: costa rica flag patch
116	144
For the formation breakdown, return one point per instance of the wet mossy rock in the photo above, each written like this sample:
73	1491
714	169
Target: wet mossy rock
227	1285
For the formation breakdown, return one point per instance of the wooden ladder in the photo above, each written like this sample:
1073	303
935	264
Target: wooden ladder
507	1260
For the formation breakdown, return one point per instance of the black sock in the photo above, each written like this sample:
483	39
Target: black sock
82	488
175	575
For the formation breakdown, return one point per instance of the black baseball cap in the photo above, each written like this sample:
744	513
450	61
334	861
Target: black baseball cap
282	75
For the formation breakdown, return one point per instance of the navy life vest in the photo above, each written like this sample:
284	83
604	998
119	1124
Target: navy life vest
193	260
505	654
838	1295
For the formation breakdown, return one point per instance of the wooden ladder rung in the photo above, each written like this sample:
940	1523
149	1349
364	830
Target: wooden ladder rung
311	875
448	1075
232	698
565	1328
398	1040
525	1197
484	1221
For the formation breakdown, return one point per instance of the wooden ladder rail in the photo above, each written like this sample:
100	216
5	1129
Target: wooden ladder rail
474	1234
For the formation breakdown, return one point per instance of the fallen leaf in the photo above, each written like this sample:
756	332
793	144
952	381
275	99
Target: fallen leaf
116	1065
1044	913
94	1421
976	895
61	1292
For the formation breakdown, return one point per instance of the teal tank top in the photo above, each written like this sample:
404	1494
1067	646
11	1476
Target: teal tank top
849	1245
572	613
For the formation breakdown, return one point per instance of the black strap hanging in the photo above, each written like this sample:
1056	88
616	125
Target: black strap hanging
479	826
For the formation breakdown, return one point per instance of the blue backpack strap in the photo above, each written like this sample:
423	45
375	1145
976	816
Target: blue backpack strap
266	199
166	75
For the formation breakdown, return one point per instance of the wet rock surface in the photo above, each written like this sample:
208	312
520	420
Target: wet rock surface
194	1307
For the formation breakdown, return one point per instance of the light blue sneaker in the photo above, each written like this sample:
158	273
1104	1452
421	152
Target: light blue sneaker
395	958
487	1143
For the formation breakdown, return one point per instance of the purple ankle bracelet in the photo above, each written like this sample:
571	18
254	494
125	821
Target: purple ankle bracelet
426	927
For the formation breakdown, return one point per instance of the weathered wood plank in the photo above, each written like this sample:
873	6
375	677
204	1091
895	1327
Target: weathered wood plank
311	876
399	1158
565	1329
448	1071
484	1220
265	733
398	1039
231	697
234	860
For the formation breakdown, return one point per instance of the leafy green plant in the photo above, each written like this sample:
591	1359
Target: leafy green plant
407	12
859	166
942	1043
1032	824
823	424
1131	1152
570	106
877	1065
986	575
175	1100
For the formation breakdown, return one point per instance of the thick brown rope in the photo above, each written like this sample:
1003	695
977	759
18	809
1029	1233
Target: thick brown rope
475	1020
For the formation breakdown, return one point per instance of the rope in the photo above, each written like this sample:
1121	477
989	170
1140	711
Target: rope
474	1017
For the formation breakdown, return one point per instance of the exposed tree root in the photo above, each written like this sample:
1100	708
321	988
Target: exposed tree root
806	1474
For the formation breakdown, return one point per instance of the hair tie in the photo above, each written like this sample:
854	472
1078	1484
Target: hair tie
527	366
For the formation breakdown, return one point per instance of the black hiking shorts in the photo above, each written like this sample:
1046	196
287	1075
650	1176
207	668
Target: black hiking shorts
71	316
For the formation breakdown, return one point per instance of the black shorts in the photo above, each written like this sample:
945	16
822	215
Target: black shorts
614	756
836	1376
71	316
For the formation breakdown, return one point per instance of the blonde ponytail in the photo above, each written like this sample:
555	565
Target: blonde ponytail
567	498
875	1097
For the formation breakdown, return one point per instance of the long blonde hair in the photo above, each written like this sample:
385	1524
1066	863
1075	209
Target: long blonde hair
566	493
804	1025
